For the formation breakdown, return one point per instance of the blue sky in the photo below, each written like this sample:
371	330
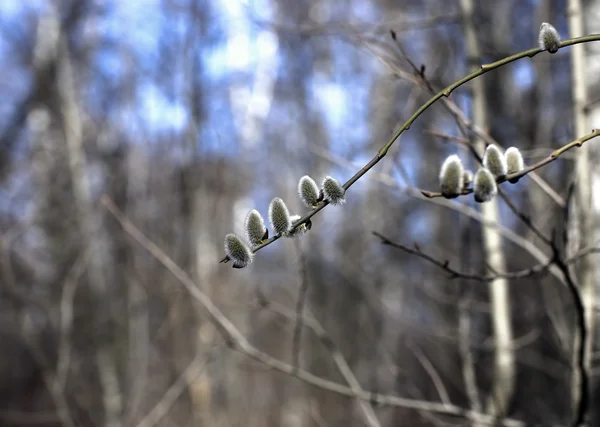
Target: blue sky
246	59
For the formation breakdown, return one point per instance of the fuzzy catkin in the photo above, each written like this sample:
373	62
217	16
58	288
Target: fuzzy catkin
279	216
484	186
237	251
308	190
451	177
494	161
549	38
514	162
255	227
333	191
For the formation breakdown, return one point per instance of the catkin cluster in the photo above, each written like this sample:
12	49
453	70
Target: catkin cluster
282	222
497	167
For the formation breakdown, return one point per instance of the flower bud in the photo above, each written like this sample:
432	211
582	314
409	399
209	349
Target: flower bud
549	39
451	177
514	162
484	186
255	227
301	229
308	191
494	161
279	216
333	191
237	251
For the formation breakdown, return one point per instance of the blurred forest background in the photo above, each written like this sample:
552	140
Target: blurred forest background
189	113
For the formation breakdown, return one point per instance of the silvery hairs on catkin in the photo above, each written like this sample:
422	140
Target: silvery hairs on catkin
279	216
451	177
333	191
494	161
308	190
484	186
255	228
237	251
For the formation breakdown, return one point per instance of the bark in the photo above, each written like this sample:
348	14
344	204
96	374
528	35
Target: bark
581	227
503	379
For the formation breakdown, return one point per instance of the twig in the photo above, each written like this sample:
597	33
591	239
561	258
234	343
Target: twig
164	405
334	352
236	340
455	274
431	371
552	157
444	92
297	337
580	394
66	316
506	233
446	137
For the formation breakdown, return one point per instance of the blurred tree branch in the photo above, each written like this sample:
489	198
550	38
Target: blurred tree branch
236	340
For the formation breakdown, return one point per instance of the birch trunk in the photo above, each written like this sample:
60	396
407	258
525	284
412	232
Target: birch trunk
504	360
581	227
72	129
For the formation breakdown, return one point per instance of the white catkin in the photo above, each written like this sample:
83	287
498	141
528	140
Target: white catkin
237	251
549	38
494	161
514	162
255	227
279	216
451	177
484	186
333	191
308	190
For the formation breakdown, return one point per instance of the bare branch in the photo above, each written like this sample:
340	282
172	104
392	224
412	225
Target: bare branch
455	274
237	341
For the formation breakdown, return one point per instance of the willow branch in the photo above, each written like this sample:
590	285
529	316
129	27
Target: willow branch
552	157
446	92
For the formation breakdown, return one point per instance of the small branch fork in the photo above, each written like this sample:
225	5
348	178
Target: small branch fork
455	274
446	92
552	157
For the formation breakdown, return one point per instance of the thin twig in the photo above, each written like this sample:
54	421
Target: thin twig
506	233
580	335
236	340
297	337
552	157
431	371
446	137
334	352
164	405
455	274
66	316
